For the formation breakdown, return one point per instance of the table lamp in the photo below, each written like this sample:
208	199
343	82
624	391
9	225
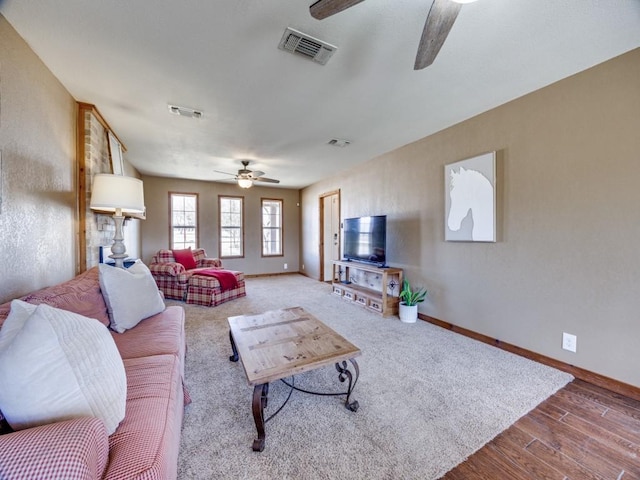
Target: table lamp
121	195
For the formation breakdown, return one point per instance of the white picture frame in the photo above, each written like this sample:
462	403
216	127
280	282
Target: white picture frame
470	199
115	152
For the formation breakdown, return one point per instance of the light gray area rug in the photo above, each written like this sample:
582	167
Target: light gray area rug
428	397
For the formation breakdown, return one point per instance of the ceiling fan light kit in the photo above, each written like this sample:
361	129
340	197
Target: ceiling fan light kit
246	177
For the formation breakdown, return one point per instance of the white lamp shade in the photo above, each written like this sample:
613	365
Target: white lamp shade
112	192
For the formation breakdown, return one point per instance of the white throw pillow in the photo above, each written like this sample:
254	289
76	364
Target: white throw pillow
59	366
131	294
20	312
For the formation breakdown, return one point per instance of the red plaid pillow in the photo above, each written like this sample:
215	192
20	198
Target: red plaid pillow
185	257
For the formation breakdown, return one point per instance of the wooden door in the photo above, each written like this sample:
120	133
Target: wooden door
329	233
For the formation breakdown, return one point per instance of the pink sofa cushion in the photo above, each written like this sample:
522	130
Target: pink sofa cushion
5	308
74	449
144	446
158	335
80	295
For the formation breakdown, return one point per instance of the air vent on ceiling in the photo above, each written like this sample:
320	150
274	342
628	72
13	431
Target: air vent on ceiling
185	112
294	41
338	142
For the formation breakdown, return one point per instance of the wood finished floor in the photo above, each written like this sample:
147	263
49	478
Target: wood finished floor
581	432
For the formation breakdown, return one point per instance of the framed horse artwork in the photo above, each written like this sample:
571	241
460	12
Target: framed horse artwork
470	199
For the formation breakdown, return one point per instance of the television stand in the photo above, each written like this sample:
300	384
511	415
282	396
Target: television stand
376	288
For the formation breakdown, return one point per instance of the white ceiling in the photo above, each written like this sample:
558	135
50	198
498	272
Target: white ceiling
133	58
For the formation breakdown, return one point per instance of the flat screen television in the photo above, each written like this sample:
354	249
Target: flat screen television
365	239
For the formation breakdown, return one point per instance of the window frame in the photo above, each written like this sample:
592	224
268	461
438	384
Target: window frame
171	225
280	227
220	226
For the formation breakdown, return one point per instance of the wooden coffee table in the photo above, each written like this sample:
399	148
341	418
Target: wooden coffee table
281	343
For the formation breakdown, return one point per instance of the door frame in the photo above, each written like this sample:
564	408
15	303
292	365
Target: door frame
321	198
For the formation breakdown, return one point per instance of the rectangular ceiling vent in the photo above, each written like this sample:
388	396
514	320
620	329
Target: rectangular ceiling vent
338	142
294	41
185	111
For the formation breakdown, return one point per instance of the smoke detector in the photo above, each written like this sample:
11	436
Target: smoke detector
185	112
294	41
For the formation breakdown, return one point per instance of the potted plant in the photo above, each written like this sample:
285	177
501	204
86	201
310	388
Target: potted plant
409	300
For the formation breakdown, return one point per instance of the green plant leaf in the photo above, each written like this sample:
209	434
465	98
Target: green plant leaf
411	297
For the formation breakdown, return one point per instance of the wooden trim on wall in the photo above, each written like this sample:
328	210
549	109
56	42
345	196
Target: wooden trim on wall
81	253
276	274
591	377
82	186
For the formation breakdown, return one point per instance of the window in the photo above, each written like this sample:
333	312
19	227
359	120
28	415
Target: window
184	220
231	226
271	227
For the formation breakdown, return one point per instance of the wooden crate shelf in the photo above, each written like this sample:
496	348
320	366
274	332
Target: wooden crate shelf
368	286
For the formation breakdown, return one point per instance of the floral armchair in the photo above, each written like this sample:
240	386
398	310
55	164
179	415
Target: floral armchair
172	274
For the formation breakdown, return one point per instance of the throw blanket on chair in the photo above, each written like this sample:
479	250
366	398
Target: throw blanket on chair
226	278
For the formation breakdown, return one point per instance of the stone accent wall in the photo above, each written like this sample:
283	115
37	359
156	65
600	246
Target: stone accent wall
100	229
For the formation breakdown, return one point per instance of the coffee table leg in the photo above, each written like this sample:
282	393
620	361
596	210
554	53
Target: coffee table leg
260	393
345	374
234	357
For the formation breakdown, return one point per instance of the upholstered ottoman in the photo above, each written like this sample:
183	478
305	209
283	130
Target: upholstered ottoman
205	289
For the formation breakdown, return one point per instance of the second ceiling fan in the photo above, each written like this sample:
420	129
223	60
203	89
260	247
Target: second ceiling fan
246	177
442	15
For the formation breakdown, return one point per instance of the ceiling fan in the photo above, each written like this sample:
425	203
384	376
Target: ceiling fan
246	177
442	15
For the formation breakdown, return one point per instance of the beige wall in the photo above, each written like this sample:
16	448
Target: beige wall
155	229
567	259
38	231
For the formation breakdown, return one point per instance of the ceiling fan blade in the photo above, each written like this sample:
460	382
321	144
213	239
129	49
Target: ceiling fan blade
442	15
265	179
256	173
325	8
226	173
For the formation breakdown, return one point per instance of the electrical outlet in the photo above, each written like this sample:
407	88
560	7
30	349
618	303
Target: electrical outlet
569	342
303	266
286	266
